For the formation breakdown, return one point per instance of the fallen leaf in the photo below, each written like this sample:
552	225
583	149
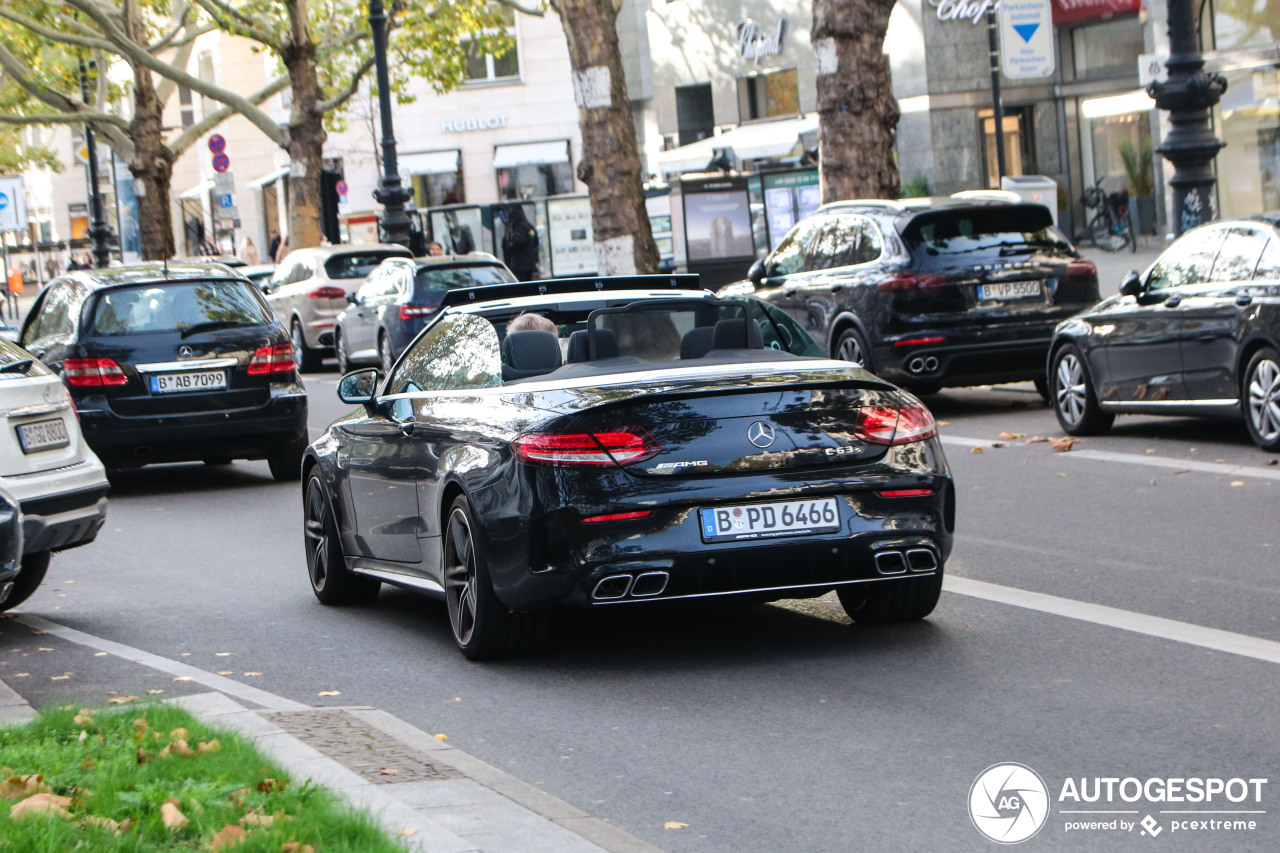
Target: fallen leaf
674	824
41	804
388	771
1237	482
1035	439
1062	445
120	700
252	673
255	819
227	837
62	677
296	847
185	655
38	633
944	423
172	816
1273	461
226	672
408	831
23	786
1011	436
21	674
154	692
329	693
84	735
978	449
100	822
236	795
454	699
83	718
209	746
183	678
996	444
43	649
442	737
99	654
271	786
223	654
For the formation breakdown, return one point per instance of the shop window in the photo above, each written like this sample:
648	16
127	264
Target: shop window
1107	49
1238	24
1019	158
205	73
695	115
769	95
1247	120
187	108
533	170
483	66
438	190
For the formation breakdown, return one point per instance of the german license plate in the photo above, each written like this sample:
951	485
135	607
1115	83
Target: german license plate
43	435
205	380
1009	290
769	521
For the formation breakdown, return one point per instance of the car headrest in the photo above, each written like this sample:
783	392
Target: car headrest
737	333
579	347
592	345
530	353
697	342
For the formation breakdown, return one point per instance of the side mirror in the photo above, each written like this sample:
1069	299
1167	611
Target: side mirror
1132	284
352	298
359	387
756	273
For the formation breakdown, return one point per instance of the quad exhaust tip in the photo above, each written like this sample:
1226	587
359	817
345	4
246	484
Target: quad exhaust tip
643	585
614	586
899	562
922	364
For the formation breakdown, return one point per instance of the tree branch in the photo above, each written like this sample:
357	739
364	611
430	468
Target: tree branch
52	34
209	122
224	14
97	119
352	87
537	12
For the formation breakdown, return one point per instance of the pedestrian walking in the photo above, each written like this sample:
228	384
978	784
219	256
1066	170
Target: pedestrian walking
273	247
519	242
249	252
13	289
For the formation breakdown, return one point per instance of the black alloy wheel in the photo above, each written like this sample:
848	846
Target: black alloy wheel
482	626
331	581
1073	397
904	600
1261	399
385	358
308	359
340	350
852	346
30	575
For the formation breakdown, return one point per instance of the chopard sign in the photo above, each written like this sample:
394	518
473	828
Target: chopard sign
955	10
754	42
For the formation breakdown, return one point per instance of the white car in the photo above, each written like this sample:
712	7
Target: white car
46	467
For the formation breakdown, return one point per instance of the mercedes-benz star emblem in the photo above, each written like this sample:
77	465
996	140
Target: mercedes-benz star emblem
186	351
760	434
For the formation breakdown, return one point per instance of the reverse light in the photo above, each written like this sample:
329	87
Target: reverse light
621	447
907	282
411	312
277	358
327	291
618	516
893	425
93	372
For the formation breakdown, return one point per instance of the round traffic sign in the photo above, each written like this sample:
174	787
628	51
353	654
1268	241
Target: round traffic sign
221	162
217	144
342	187
4	200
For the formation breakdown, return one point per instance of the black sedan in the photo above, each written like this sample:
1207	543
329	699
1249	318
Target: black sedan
643	442
171	363
929	292
1197	334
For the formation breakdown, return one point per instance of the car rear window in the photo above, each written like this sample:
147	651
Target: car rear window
358	264
979	230
185	306
430	283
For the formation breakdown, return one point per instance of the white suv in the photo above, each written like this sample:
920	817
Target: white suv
309	289
48	469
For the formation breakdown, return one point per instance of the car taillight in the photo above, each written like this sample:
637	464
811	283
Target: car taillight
618	516
410	312
1082	270
905	493
895	424
622	447
93	372
277	358
327	291
905	282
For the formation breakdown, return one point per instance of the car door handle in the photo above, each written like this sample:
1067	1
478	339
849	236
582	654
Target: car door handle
1173	302
1243	299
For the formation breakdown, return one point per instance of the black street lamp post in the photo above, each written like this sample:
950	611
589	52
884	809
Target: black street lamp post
390	194
99	231
1188	95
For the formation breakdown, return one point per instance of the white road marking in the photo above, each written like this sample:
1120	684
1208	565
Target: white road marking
1132	459
1114	617
173	667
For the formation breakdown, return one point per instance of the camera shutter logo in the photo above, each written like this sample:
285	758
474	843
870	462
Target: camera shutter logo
1008	803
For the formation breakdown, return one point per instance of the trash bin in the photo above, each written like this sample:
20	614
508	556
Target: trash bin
1036	189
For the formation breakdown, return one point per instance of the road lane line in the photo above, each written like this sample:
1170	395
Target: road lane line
173	667
1134	459
1114	617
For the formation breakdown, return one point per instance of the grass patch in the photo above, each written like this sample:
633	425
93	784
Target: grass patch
152	777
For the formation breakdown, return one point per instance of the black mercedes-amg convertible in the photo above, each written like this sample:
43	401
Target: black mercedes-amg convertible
621	442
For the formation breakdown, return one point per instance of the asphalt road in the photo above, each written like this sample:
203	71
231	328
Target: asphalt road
778	727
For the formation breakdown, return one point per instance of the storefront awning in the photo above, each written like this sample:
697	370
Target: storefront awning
200	190
430	163
531	153
259	183
755	141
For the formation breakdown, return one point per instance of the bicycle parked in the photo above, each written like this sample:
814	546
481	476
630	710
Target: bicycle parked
1110	228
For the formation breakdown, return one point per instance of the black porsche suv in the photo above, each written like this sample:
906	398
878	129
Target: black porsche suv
930	292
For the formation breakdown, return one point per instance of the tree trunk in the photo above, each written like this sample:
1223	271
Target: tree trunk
152	169
856	108
610	164
306	147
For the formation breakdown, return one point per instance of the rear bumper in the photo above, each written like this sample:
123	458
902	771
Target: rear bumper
967	357
240	433
65	520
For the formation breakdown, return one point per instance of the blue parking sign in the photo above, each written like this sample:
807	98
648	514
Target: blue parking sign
225	201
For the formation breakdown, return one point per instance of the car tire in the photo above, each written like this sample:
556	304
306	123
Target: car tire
285	461
309	360
30	576
1260	399
904	600
385	357
1042	388
852	346
331	581
1072	395
340	350
482	626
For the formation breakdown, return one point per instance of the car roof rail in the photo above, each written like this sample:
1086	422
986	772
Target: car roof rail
988	195
552	286
880	203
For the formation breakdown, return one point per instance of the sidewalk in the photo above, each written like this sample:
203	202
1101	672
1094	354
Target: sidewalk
440	800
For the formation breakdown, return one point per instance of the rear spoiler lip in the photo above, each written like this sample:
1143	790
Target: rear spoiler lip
554	286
